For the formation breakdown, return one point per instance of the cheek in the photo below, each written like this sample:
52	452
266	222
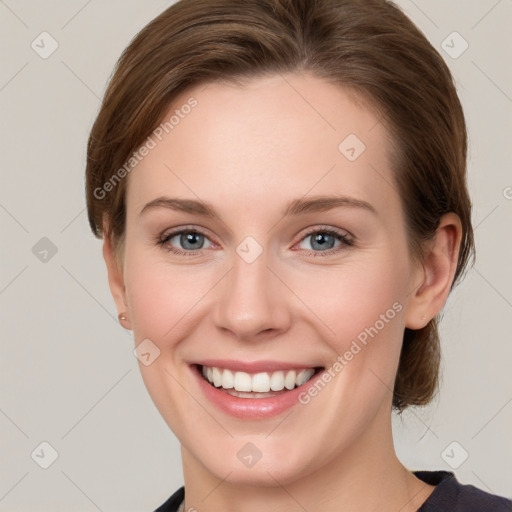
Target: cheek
164	302
360	312
351	299
161	297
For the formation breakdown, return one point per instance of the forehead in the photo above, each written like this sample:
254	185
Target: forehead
269	139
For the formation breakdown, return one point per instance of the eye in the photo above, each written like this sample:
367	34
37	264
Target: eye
191	241
324	242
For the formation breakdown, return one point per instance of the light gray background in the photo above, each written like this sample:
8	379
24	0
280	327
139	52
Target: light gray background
68	375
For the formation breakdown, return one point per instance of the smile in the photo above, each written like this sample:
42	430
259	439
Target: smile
243	383
256	390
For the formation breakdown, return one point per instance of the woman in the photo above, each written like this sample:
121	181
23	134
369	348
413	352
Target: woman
281	190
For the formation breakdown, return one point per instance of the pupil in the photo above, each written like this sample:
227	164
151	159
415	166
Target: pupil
320	239
190	238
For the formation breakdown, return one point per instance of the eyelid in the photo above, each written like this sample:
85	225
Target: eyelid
167	234
325	228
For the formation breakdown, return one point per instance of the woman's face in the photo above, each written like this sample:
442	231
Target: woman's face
278	279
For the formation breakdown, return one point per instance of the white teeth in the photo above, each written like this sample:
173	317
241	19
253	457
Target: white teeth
302	377
262	382
289	380
242	381
277	381
217	377
227	379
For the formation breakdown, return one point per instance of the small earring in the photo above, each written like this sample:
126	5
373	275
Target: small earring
121	317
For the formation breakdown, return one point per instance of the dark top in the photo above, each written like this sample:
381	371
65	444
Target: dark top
448	496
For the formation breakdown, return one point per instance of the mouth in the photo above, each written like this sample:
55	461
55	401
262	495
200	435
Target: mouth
254	390
260	385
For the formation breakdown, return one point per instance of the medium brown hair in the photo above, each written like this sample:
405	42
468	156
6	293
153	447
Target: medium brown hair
369	46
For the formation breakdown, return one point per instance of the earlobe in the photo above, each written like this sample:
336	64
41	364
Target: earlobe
116	281
437	273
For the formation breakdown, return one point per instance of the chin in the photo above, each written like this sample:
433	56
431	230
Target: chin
272	473
255	460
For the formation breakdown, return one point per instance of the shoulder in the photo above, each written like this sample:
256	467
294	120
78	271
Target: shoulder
451	495
173	503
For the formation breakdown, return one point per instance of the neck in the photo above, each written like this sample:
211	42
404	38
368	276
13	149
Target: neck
366	476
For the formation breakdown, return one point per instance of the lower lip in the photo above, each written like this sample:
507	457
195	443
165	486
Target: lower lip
251	408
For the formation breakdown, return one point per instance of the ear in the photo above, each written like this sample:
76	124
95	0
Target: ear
435	274
116	281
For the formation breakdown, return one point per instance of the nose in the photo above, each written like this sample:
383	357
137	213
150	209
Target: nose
253	303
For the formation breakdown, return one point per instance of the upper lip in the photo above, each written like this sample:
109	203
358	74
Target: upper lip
253	366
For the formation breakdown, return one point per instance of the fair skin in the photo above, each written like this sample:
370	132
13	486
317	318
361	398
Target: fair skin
249	150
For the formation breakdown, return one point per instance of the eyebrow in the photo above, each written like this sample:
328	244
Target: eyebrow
294	207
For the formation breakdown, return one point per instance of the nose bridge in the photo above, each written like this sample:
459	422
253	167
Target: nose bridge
249	302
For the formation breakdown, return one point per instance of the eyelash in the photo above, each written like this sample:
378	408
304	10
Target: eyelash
346	241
